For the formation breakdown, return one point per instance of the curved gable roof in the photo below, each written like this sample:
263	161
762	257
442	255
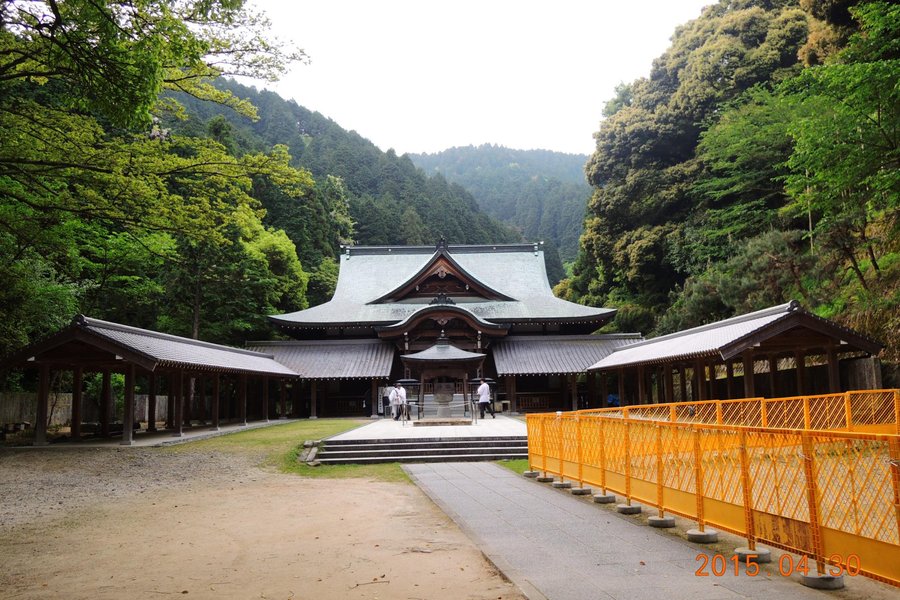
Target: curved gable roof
368	275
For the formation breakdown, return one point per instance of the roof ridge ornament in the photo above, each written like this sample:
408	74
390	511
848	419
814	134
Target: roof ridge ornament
442	244
442	298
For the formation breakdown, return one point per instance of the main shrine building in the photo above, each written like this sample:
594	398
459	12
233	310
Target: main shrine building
444	314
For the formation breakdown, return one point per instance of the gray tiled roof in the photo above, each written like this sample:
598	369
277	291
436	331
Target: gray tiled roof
368	273
333	359
535	355
444	352
171	351
728	337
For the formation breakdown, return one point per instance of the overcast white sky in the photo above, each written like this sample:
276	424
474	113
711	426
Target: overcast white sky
427	75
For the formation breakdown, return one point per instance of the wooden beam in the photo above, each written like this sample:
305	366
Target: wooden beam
700	378
177	420
773	375
729	375
313	398
216	400
604	391
128	415
641	385
242	398
105	403
265	398
151	402
573	382
834	371
43	403
669	383
282	392
77	402
800	364
749	383
621	378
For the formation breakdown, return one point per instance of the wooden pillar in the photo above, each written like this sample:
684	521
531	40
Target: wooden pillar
749	383
712	392
187	398
591	379
282	396
77	401
669	383
43	403
171	394
265	398
201	413
151	402
773	376
105	404
682	382
800	362
641	385
573	390
604	390
215	400
834	371
621	378
178	390
128	415
700	378
511	393
313	398
729	374
376	401
242	398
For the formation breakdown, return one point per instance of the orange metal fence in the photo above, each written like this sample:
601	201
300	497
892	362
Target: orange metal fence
831	495
869	411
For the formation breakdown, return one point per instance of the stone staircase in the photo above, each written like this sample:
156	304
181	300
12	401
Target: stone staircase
422	450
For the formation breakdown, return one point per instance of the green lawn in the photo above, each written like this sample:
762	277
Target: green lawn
277	447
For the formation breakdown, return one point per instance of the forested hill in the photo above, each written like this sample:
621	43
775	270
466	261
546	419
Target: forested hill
758	162
541	193
391	201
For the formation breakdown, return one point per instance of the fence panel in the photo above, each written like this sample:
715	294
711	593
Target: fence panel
831	495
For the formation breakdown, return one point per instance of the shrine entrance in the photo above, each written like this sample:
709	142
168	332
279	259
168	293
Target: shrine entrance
444	371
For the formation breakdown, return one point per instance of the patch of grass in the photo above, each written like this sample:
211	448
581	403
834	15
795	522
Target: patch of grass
380	471
278	446
519	465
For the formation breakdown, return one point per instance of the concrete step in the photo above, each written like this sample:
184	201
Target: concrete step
423	450
425	458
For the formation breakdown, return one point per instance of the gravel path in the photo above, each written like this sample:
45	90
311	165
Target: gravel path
40	483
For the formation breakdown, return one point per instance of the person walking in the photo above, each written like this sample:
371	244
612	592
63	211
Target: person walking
484	399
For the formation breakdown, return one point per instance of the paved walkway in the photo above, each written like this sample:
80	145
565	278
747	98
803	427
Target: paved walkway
389	429
556	546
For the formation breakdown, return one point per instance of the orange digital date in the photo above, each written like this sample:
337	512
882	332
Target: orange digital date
719	565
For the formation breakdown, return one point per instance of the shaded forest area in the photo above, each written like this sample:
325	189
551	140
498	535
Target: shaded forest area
139	184
758	162
542	194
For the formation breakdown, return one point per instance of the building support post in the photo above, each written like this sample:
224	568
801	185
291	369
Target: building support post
749	383
573	390
621	378
313	398
834	371
591	380
178	389
43	403
105	403
373	394
151	402
282	396
641	385
773	376
511	394
128	416
242	398
215	400
800	364
700	377
669	383
77	401
729	374
604	390
265	398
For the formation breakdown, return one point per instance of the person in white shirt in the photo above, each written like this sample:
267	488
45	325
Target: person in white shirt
484	399
398	401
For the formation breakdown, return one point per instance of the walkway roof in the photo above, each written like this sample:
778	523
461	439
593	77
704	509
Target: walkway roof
332	359
558	354
779	329
94	343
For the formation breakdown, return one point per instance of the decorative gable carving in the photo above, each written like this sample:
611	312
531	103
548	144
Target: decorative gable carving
442	277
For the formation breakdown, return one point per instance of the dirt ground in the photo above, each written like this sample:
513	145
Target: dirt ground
146	523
